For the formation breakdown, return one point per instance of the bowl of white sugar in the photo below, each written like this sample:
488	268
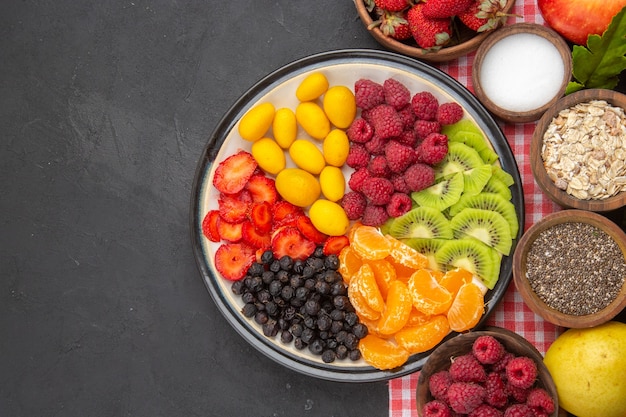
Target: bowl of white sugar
521	70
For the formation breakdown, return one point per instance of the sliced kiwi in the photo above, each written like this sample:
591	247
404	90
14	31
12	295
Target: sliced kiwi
463	125
442	194
425	222
495	185
488	201
489	155
502	175
472	255
428	248
474	179
459	158
487	226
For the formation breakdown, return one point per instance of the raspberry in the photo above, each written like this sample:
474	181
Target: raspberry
399	156
495	388
423	128
425	105
399	204
374	216
487	349
407	137
485	410
399	184
519	395
464	397
357	179
376	145
500	366
377	190
540	401
521	372
407	116
360	131
433	149
449	113
386	121
378	167
368	94
436	408
518	410
353	203
419	176
396	94
466	368
438	385
358	156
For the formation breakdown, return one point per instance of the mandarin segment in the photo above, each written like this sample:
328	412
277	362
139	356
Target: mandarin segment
417	318
397	309
349	263
405	255
369	243
428	295
361	307
382	354
367	286
385	274
453	279
467	308
418	339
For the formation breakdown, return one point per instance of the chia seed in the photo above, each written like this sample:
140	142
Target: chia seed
575	268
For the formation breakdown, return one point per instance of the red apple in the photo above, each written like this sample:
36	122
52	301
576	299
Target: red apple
576	19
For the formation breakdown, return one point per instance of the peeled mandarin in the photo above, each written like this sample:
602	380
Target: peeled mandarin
358	301
467	308
368	288
349	263
256	122
382	354
307	156
397	309
369	243
328	217
268	155
428	295
285	127
333	183
418	339
298	187
312	87
385	274
335	147
313	120
340	106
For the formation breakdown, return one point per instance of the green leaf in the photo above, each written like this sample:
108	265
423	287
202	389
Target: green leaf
599	64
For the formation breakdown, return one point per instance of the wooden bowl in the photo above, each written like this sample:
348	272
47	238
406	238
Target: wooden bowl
548	186
534	302
440	360
487	55
468	40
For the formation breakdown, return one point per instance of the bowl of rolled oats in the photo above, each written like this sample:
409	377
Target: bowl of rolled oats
578	151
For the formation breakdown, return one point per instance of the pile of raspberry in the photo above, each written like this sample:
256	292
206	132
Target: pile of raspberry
394	144
489	381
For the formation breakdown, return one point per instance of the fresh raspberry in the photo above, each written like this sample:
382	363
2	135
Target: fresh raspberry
540	401
485	410
436	408
376	145
399	156
464	397
353	203
466	368
368	94
487	349
419	176
407	116
358	156
500	366
518	410
433	149
521	372
378	167
386	121
399	204
399	184
495	387
425	105
449	113
377	190
438	385
396	94
517	394
360	131
423	128
407	137
374	215
357	179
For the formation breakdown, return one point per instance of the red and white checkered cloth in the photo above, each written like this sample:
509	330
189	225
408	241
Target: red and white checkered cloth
511	313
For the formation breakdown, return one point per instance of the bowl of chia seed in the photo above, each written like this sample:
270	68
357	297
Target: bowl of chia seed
570	268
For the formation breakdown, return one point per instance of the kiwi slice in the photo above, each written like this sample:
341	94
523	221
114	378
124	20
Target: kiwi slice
428	248
472	255
502	175
459	158
442	194
489	155
495	185
463	125
474	179
488	201
485	225
421	221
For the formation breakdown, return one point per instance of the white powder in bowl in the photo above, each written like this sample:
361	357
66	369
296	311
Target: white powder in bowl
522	72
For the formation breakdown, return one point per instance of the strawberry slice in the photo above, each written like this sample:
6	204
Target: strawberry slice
261	216
305	226
233	173
334	244
262	188
232	260
232	232
252	237
234	208
209	226
285	214
289	241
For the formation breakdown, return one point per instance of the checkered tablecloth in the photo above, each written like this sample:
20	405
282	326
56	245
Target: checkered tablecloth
511	313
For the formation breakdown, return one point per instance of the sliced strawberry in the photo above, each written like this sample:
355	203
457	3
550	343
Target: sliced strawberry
334	244
289	241
233	173
232	260
262	188
234	208
232	232
305	226
251	236
209	226
261	216
285	214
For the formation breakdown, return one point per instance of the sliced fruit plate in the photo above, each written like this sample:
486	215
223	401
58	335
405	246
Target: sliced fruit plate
345	68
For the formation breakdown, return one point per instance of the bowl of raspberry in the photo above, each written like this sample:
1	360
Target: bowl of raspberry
434	31
492	372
